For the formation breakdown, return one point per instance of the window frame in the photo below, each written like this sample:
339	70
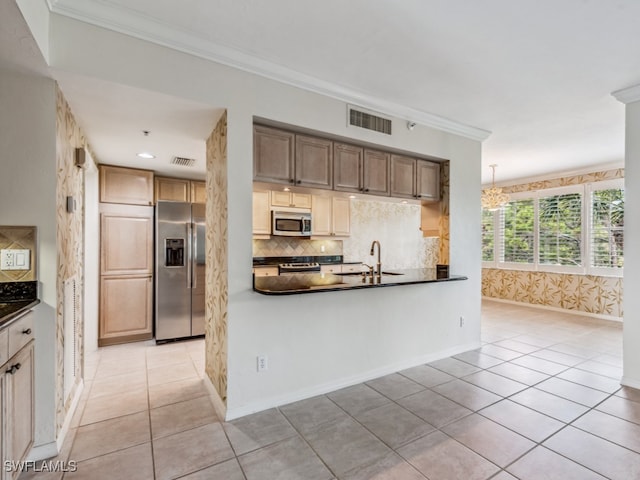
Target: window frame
586	190
617	183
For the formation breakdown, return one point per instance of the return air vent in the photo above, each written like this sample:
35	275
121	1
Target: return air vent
183	161
364	119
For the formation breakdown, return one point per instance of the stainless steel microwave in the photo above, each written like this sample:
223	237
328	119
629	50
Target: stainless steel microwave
291	224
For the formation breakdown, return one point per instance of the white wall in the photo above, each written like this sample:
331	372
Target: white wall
321	341
631	374
28	197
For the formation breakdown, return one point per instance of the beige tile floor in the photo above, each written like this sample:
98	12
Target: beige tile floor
540	400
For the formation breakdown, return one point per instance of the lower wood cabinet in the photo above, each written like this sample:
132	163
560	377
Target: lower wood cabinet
17	397
126	308
265	271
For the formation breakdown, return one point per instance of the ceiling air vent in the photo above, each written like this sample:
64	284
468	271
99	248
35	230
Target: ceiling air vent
364	119
183	162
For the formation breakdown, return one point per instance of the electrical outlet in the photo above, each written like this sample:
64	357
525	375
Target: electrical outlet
263	364
15	259
461	322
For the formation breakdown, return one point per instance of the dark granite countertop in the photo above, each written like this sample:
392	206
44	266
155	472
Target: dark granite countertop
11	310
15	299
325	282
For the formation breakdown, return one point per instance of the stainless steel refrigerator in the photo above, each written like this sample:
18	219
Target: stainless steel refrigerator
180	270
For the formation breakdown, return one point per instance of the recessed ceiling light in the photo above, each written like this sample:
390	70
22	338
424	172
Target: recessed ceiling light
146	155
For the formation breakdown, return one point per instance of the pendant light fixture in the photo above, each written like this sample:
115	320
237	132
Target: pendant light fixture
493	198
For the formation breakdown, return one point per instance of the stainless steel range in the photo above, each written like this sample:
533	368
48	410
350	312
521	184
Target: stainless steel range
310	267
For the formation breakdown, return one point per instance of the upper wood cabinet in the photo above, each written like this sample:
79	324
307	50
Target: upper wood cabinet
347	167
172	189
427	180
314	162
273	155
375	172
331	216
180	190
281	198
403	176
284	157
126	185
198	192
414	178
261	213
356	169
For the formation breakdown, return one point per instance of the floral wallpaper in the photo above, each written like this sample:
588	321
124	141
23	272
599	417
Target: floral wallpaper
70	243
216	259
584	293
444	214
397	227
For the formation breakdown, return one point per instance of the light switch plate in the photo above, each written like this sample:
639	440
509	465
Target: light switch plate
15	259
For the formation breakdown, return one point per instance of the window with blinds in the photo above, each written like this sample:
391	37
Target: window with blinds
488	237
607	228
560	230
517	232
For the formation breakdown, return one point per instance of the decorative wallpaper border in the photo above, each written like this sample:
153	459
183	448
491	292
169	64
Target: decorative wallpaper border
217	291
566	181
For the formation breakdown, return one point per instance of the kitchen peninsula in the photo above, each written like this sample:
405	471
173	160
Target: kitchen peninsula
323	282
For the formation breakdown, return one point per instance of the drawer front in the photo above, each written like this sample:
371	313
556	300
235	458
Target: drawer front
265	271
331	268
20	333
352	267
4	345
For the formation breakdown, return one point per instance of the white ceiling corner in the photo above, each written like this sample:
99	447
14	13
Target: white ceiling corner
145	27
628	95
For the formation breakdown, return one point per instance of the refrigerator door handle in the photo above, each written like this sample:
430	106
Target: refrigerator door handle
189	254
194	255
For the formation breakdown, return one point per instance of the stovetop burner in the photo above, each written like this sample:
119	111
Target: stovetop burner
298	267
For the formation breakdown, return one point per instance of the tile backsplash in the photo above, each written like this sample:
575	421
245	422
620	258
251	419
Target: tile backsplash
19	237
293	247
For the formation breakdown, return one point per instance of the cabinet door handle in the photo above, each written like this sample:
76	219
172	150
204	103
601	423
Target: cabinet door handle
27	331
13	369
299	181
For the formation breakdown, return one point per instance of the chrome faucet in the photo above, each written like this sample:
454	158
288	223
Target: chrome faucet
379	265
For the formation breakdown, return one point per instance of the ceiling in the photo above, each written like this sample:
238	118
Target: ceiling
537	74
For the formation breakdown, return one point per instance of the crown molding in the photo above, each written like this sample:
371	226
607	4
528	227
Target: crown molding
627	95
144	27
601	167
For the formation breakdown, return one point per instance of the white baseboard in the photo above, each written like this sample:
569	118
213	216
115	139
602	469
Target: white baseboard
556	309
629	382
218	403
279	400
51	449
